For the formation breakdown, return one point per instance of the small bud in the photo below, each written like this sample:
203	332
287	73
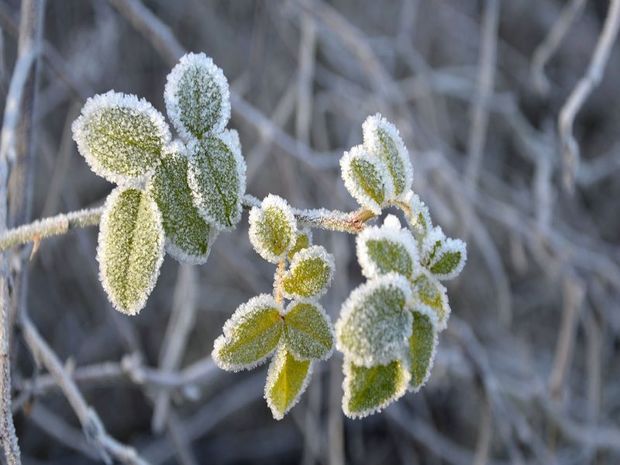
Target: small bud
272	228
130	248
308	331
309	275
287	379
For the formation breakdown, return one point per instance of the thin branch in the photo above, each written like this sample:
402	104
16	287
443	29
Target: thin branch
577	98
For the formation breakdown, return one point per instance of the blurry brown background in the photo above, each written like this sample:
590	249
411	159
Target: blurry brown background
528	371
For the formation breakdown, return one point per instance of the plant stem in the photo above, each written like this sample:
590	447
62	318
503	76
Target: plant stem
277	281
332	220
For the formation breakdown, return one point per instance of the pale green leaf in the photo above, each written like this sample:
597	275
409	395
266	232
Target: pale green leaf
387	249
374	324
366	178
120	136
382	139
417	214
216	177
287	379
309	275
197	97
272	228
368	390
431	293
188	236
422	346
308	331
303	240
130	248
250	335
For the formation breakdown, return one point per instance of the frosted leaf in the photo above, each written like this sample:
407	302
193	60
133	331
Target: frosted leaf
374	324
448	261
431	244
389	248
120	136
431	293
197	97
130	248
382	139
308	331
422	347
418	215
216	177
287	379
366	178
303	240
309	275
250	336
369	390
272	228
188	236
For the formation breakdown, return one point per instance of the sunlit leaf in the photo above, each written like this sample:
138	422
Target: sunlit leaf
374	324
197	97
310	273
303	240
250	335
272	228
120	136
131	248
287	379
308	331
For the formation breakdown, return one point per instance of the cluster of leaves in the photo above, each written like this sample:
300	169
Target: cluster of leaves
388	326
298	333
172	196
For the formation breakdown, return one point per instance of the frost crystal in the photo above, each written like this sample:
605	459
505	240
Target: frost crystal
216	177
389	248
308	331
188	236
309	275
130	248
422	346
197	97
120	136
250	336
418	215
366	178
272	228
382	139
369	390
374	323
287	379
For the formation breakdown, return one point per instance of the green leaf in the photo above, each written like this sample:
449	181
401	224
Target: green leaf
387	249
272	228
308	331
131	248
381	139
417	214
120	136
366	178
216	177
449	259
197	97
309	275
374	324
368	390
422	346
287	380
250	335
431	293
302	241
188	236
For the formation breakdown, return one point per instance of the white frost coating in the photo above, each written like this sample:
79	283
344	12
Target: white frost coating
314	251
102	252
441	320
256	217
390	231
358	153
424	310
112	99
451	246
243	311
430	242
328	323
272	376
418	209
372	143
173	81
183	257
364	334
347	370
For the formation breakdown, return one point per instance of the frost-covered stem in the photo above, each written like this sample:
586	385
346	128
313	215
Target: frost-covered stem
90	421
52	226
277	281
